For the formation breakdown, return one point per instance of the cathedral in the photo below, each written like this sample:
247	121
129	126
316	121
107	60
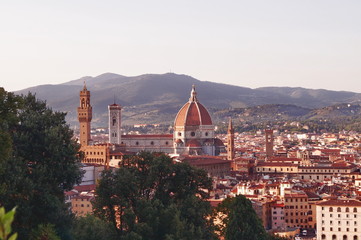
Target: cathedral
193	134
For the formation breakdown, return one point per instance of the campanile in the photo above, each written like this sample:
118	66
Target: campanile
84	116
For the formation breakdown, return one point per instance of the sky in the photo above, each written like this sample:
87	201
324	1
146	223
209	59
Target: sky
255	43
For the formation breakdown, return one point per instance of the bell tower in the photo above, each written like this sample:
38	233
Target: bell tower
84	116
230	141
269	143
114	123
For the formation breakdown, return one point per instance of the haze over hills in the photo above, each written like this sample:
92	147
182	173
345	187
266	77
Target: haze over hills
156	98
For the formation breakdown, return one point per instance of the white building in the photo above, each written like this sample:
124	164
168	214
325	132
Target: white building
339	220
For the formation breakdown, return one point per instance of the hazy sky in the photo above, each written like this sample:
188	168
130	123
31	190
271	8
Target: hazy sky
298	43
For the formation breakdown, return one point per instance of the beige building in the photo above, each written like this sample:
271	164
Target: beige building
276	168
297	210
81	205
320	173
339	220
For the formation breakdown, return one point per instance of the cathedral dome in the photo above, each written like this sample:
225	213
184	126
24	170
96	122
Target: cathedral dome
193	113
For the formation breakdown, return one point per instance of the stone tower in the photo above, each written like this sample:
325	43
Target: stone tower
230	141
114	111
85	116
269	142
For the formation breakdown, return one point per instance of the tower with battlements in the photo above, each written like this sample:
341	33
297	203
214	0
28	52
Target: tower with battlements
85	116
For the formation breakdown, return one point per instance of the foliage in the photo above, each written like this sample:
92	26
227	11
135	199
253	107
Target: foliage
38	150
44	232
6	218
150	197
92	228
239	220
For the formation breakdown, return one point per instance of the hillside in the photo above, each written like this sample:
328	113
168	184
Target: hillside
156	98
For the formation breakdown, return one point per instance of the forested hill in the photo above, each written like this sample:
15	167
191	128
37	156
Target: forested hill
156	98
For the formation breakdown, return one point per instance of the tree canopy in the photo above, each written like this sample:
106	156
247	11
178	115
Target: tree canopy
39	160
150	197
238	220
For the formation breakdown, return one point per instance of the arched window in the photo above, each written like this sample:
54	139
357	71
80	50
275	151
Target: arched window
344	237
323	236
330	209
347	209
355	237
338	209
354	209
334	237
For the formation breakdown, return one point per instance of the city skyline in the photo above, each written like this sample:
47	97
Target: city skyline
250	44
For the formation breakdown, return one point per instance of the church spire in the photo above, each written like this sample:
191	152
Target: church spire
193	97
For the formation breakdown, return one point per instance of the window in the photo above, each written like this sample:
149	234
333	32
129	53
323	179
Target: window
206	134
347	209
179	134
193	134
354	209
338	209
137	143
330	209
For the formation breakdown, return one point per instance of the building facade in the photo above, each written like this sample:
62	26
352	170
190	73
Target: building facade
339	220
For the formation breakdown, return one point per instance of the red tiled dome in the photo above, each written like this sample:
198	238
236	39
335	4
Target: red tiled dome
193	113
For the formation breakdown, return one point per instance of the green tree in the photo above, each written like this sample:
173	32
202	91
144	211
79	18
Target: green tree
44	232
239	220
92	228
39	160
150	197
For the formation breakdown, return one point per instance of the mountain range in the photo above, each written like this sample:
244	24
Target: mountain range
156	98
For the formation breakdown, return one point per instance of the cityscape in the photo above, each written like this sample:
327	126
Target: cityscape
180	120
294	180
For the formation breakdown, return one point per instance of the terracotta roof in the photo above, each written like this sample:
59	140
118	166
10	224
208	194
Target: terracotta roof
273	164
350	202
148	136
85	188
278	205
204	160
284	159
193	113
